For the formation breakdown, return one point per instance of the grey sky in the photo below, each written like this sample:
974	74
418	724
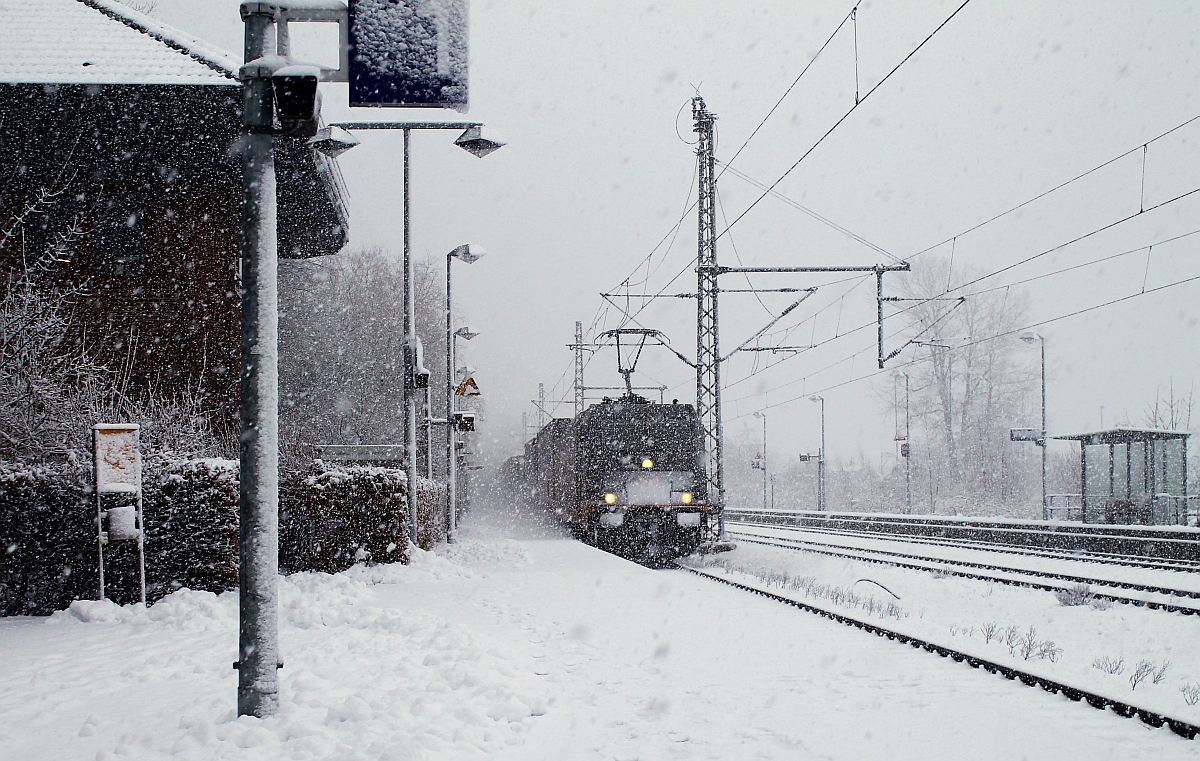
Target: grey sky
1008	100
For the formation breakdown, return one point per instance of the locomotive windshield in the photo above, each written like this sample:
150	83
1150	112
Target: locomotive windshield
665	433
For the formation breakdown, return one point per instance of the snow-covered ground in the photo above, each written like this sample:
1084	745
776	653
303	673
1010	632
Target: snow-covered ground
520	644
1096	647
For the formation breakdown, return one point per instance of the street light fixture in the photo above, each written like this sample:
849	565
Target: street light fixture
1029	337
469	254
821	457
763	415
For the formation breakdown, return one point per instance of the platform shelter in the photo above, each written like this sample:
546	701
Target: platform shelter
1134	476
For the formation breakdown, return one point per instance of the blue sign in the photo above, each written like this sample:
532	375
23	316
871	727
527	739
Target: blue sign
408	53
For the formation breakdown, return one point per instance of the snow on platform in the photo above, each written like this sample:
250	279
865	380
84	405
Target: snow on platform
522	648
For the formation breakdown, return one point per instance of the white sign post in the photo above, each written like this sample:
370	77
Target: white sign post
117	469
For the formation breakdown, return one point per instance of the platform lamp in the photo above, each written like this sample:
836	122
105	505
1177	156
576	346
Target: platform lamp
1029	337
468	254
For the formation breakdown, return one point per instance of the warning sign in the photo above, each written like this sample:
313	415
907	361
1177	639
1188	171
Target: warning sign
468	388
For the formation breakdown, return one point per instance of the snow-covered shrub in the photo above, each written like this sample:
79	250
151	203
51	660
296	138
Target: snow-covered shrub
1076	594
333	516
191	511
991	630
1191	693
1109	665
431	511
1141	672
48	538
49	535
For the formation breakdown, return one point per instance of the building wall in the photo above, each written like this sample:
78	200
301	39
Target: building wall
149	180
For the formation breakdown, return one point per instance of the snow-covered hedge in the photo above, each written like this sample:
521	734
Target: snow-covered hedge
191	509
48	532
48	538
333	516
431	511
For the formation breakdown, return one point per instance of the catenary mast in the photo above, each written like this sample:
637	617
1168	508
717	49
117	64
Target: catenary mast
708	357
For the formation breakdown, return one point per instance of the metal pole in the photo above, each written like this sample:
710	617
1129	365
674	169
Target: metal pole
258	530
427	414
410	358
907	443
763	461
879	313
821	462
1045	508
451	455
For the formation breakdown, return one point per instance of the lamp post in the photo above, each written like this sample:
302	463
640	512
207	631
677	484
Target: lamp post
468	254
763	415
1029	337
477	141
821	457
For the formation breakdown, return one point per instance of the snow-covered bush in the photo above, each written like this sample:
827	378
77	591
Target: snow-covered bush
48	538
431	511
191	513
1109	665
49	535
333	516
1076	594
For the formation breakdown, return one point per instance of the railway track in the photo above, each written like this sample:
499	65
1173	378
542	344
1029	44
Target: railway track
1096	700
976	544
1166	546
977	570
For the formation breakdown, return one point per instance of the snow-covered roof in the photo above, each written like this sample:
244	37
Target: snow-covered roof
1124	434
102	42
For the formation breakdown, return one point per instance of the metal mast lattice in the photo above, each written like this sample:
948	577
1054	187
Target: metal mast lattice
708	356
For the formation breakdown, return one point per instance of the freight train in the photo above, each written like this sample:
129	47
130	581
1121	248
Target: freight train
626	476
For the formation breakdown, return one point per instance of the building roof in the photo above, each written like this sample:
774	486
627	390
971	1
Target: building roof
1124	435
102	42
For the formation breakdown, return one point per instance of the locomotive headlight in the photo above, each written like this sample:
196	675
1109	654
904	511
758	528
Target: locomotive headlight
686	498
647	464
610	499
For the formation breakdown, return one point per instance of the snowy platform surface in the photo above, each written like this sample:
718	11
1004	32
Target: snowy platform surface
516	644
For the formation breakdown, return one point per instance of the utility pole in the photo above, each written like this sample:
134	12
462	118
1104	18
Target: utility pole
907	449
258	526
708	355
410	358
578	368
541	406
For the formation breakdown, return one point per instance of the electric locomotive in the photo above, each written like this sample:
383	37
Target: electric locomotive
626	475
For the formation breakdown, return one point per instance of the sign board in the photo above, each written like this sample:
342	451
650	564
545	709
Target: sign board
118	462
117	470
408	53
468	388
1024	434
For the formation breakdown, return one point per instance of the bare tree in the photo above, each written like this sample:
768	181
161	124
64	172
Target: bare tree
1171	412
971	387
341	341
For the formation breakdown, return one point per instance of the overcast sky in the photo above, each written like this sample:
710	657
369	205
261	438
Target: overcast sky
1008	100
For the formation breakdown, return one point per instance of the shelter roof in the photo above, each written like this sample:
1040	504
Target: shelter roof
1124	435
102	42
